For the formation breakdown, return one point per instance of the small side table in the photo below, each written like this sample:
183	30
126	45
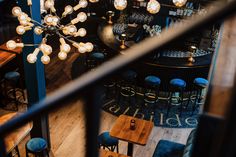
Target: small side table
105	153
139	135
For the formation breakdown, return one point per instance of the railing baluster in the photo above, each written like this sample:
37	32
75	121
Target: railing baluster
92	109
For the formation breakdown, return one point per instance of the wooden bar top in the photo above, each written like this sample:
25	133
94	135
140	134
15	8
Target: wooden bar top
15	137
121	130
105	153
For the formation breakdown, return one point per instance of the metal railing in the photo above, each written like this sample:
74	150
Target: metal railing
82	84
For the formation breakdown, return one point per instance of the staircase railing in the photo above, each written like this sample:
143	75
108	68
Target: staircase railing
82	84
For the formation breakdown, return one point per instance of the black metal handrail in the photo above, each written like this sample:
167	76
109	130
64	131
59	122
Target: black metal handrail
57	99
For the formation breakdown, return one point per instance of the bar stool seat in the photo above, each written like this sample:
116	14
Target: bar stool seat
178	83
12	76
201	82
98	56
152	81
106	141
36	146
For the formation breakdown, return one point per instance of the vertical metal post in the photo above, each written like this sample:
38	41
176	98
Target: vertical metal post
34	73
92	109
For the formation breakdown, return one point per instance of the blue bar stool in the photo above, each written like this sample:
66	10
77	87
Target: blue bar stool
176	85
151	91
37	146
199	85
12	80
95	59
106	141
128	86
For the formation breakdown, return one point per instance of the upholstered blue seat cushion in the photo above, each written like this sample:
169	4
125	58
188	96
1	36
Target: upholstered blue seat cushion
201	82
98	55
129	75
178	83
152	80
12	76
106	140
168	149
36	144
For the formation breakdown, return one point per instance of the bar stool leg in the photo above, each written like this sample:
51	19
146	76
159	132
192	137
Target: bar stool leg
181	103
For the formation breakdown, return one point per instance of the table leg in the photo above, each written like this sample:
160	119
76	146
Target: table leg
130	149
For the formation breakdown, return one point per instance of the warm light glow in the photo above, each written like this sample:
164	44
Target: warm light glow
38	30
82	17
48	19
11	45
64	46
46	49
81	32
82	4
153	6
120	4
179	3
32	57
93	1
62	55
82	48
45	59
68	10
24	17
16	11
21	29
49	4
89	47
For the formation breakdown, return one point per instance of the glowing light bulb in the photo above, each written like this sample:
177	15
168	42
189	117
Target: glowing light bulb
11	45
93	1
62	55
89	47
82	17
68	10
38	30
45	59
82	48
82	4
21	29
24	17
46	49
48	19
71	29
153	6
81	32
49	4
120	4
179	3
64	47
31	58
55	20
16	11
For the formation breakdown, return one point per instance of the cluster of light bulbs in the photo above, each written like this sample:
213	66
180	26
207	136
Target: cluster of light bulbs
51	25
153	6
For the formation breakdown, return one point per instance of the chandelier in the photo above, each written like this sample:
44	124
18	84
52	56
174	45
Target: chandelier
51	26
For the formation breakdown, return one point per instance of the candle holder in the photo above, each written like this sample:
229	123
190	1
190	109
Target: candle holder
110	15
132	124
193	50
122	39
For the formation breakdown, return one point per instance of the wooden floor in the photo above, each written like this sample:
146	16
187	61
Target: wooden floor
67	124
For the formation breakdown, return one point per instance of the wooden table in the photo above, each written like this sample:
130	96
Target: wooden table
121	130
15	137
105	153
